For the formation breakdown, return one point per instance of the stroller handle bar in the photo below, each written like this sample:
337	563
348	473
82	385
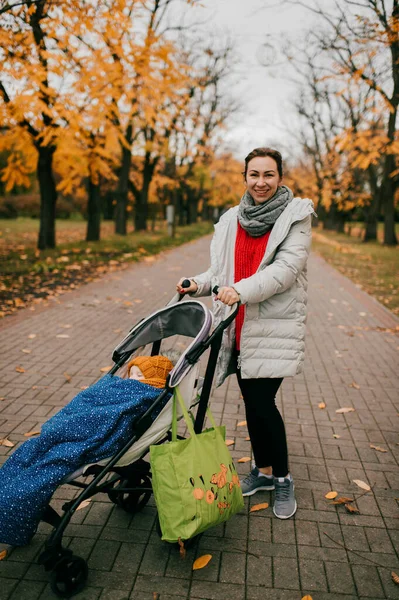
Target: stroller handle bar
230	317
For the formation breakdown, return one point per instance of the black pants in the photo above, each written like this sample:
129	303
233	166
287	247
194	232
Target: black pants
265	424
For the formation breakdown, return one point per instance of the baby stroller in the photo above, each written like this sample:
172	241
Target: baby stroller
126	476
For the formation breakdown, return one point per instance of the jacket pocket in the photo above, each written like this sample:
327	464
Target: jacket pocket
280	306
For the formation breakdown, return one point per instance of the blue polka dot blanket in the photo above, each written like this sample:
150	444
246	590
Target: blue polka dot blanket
93	426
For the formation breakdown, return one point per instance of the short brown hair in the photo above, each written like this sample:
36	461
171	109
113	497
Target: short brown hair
275	154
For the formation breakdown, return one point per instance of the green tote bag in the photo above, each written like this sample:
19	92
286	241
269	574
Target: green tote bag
194	481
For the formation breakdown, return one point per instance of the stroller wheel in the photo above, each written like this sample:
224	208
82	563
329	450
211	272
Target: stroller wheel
131	502
69	576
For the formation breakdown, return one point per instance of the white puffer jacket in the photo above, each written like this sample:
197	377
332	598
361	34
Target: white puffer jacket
273	334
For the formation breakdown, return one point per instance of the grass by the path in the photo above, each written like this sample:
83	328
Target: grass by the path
31	276
372	266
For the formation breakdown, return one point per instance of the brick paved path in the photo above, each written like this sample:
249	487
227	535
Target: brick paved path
351	362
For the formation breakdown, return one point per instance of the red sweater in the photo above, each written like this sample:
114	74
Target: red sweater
249	252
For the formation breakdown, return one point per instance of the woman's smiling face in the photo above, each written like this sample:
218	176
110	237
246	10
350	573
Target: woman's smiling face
262	178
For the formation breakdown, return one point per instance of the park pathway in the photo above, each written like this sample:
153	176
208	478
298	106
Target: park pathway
352	362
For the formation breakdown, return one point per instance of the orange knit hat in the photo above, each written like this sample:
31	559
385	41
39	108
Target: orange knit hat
154	368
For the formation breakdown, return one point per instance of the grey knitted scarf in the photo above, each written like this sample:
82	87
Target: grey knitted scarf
257	219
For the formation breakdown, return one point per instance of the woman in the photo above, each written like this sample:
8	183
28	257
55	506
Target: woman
258	257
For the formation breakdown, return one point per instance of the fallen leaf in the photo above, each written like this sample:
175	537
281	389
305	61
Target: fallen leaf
3	555
378	448
26	351
182	550
345	410
363	314
20	369
362	484
31	336
7	443
307	597
244	459
2	398
261	506
354	385
322	405
117	330
230	442
155	596
84	504
66	326
105	369
343	500
331	495
201	561
241	424
84	387
62	335
31	433
67	377
395	577
336	436
351	509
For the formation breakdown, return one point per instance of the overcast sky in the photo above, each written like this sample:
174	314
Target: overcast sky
257	26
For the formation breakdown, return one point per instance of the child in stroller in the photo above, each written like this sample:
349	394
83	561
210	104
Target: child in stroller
93	426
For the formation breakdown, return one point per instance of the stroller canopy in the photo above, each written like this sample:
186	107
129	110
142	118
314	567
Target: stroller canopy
190	318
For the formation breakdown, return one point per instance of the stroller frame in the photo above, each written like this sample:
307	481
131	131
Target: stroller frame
130	486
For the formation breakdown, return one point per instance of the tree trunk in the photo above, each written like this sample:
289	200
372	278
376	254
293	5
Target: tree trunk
371	212
48	197
93	213
141	212
123	185
388	183
108	206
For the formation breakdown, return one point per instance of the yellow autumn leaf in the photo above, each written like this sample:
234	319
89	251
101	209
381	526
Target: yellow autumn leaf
84	504
105	369
336	436
343	500
395	577
3	554
354	385
331	495
378	448
20	369
261	506
201	561
7	443
230	442
307	597
26	351
31	433
244	459
62	335
346	409
241	424
322	405
351	509
362	484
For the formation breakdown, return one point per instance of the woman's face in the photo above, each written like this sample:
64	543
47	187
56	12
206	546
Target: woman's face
262	178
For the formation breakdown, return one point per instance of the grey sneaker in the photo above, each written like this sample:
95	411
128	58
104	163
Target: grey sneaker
284	497
253	482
